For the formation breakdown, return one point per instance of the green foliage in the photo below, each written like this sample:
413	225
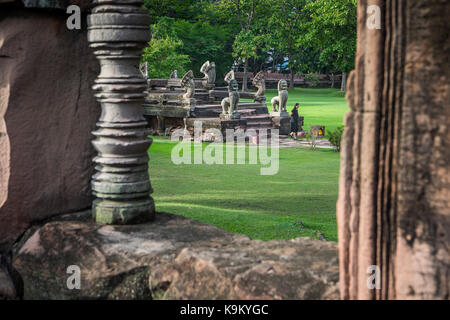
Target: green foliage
248	19
203	41
163	52
316	35
245	45
162	57
178	9
331	30
187	44
286	27
335	137
313	79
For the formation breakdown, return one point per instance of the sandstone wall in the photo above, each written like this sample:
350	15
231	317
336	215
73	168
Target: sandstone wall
171	258
47	111
394	198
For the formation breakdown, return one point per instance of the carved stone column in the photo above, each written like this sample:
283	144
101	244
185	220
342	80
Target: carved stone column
394	198
118	30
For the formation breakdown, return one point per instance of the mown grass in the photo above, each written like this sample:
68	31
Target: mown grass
325	107
296	202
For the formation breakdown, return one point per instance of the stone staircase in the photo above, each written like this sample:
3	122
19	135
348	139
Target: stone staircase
255	114
247	110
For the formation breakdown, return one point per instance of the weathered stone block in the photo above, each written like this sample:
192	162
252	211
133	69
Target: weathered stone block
8	289
172	258
283	124
46	119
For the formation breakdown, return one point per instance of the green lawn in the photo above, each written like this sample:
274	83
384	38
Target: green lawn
238	199
319	106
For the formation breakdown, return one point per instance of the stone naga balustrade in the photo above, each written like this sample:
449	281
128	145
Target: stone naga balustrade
117	31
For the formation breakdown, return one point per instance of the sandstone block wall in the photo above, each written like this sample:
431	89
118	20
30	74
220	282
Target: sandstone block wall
47	113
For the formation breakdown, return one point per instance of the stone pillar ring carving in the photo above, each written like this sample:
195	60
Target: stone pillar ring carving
117	31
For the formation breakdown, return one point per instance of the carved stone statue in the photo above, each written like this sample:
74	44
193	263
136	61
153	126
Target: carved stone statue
230	104
174	75
144	70
229	76
209	70
260	82
188	84
279	102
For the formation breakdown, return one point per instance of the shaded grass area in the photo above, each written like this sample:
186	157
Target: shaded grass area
238	199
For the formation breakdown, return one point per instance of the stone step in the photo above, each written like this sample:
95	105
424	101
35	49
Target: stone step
257	117
245	113
208	107
249	105
243	105
249	112
259	124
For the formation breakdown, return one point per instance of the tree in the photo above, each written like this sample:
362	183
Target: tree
332	31
245	47
250	16
287	25
177	9
163	52
188	44
315	36
203	41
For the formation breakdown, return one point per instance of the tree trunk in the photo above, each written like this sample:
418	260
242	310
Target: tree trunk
292	84
344	82
394	205
332	80
245	80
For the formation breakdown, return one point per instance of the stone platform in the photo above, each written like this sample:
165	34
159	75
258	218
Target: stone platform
177	103
172	258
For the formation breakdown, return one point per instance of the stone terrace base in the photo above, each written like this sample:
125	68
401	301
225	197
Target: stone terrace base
215	123
283	123
172	258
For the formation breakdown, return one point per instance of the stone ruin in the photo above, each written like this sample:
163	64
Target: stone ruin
394	193
393	207
230	104
118	33
176	103
280	101
54	202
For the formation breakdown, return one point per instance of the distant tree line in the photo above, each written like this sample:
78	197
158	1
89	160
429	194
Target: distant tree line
292	36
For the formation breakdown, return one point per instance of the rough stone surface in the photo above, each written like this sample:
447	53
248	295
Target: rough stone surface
394	194
172	258
51	4
7	287
230	103
296	269
121	182
47	113
279	102
283	124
